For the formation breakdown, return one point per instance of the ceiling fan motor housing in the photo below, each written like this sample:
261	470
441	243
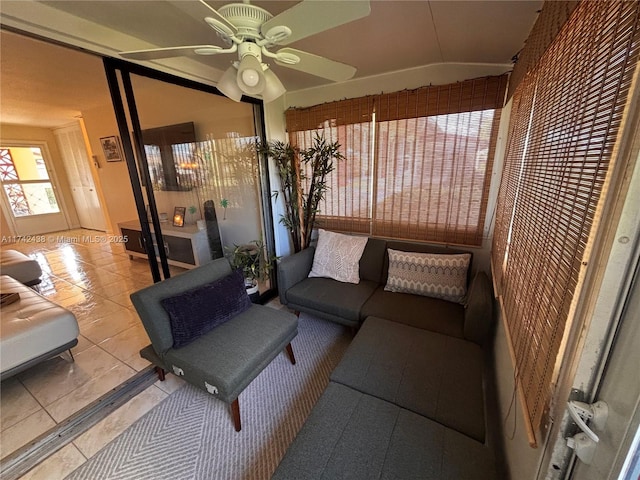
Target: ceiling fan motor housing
246	18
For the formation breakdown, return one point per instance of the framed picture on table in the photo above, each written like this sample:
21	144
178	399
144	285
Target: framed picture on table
178	216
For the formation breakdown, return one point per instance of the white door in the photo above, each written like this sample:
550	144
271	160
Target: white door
616	455
83	190
29	191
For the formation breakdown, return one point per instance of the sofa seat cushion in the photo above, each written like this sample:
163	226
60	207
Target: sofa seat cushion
330	296
357	436
225	360
429	313
431	374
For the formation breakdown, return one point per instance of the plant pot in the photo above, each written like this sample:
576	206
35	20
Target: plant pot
253	292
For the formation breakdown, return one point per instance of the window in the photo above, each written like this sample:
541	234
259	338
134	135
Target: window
418	162
26	182
432	182
566	115
347	205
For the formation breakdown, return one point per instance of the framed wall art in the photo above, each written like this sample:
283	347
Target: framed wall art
111	148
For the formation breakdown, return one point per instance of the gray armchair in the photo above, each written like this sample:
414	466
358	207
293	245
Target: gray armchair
228	356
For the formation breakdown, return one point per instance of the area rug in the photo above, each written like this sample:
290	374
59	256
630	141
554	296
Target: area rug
190	435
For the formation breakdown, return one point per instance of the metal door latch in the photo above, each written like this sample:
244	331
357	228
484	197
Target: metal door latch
585	443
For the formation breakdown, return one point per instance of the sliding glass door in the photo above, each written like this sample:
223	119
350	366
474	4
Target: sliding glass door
195	170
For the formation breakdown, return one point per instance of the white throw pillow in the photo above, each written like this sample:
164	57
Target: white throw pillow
338	256
429	274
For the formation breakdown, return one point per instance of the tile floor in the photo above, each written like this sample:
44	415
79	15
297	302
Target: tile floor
93	279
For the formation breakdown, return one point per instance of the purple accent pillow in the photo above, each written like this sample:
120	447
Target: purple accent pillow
196	312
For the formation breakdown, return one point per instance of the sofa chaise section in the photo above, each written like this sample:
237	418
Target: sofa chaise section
350	434
434	375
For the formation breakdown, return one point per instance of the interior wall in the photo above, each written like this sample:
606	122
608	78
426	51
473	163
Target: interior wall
521	459
276	129
37	134
113	176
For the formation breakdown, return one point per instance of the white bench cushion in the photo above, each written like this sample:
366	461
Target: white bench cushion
17	265
32	326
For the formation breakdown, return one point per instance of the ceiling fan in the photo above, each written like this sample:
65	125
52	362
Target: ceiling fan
251	32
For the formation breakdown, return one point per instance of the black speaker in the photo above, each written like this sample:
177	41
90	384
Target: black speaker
213	231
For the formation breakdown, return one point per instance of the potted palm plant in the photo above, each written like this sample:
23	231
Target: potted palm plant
299	169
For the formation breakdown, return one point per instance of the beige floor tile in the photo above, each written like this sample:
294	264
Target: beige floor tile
93	308
17	403
56	289
113	263
109	325
83	344
80	298
90	391
55	378
93	279
123	299
58	465
127	344
137	362
24	431
170	384
90	442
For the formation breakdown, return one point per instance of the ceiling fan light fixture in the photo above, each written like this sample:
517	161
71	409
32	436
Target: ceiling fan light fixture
250	76
273	87
228	85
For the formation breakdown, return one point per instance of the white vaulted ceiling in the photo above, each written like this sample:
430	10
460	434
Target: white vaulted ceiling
397	35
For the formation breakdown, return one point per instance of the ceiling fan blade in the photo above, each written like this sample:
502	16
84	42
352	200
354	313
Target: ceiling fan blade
201	9
318	66
310	17
157	53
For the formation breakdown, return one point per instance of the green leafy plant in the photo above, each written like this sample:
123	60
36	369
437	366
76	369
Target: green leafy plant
192	209
302	206
252	258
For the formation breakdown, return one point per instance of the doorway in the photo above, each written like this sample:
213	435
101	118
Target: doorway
72	145
30	189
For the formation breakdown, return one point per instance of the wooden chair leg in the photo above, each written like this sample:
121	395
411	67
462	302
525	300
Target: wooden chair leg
235	413
160	371
297	313
290	353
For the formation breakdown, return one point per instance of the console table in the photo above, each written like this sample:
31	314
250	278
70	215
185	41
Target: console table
186	247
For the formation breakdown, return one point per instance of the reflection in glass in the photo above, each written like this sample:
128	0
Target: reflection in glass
201	154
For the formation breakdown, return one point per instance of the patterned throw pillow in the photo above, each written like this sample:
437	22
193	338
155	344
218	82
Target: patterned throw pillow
338	256
429	274
198	311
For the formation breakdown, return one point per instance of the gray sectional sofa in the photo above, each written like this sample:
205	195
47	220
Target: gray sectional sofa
408	399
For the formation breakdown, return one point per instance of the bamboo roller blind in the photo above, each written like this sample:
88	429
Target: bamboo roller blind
551	19
566	115
421	171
